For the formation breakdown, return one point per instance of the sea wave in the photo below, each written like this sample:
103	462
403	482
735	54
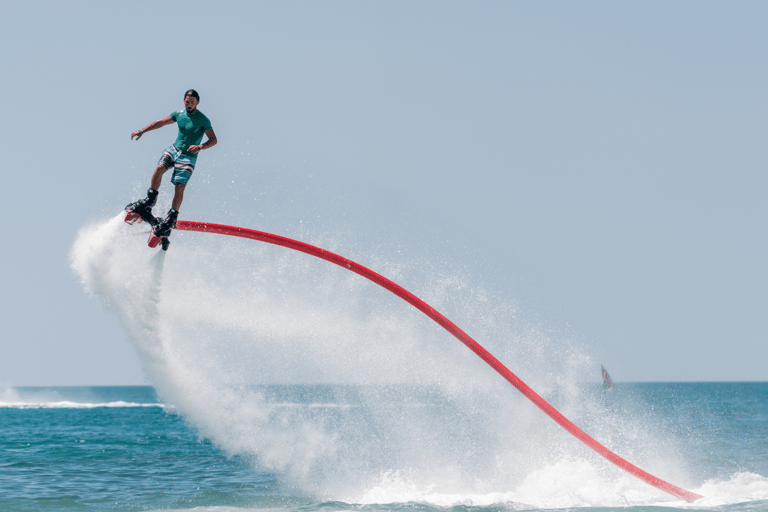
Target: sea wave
72	405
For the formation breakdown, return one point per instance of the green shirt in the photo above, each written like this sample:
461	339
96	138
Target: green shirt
191	129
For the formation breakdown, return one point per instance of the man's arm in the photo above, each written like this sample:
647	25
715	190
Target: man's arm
152	126
205	145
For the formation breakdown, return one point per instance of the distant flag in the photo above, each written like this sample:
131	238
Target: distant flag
607	382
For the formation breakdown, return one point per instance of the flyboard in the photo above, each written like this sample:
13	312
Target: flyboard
154	240
449	326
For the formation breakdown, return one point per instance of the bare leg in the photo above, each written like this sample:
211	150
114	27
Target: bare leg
178	196
157	177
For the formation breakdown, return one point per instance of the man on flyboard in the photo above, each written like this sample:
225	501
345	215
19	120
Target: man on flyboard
181	156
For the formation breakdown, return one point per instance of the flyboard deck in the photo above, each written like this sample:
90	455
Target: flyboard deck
154	240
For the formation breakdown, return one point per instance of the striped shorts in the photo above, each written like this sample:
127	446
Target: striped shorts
182	164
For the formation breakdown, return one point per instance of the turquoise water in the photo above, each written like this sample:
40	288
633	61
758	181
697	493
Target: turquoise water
118	448
111	449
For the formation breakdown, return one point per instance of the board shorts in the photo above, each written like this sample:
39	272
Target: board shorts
182	164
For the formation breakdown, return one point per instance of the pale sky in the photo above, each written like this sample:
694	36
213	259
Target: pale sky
601	163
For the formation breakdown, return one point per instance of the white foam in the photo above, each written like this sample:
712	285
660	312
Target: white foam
741	487
570	483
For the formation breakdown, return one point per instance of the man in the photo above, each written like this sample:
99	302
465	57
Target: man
181	156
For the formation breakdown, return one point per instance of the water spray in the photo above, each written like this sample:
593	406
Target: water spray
455	331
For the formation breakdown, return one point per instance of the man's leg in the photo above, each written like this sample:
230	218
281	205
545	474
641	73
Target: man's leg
178	196
181	174
157	177
165	226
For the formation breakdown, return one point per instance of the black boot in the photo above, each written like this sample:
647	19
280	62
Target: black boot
164	227
143	207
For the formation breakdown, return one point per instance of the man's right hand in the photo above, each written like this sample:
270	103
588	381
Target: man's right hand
137	134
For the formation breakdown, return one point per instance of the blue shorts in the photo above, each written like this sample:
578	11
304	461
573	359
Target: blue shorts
182	164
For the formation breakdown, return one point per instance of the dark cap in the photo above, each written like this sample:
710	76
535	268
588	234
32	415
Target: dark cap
192	93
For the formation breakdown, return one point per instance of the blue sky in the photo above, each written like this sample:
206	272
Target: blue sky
601	163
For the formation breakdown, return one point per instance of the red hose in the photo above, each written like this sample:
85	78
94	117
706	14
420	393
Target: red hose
453	329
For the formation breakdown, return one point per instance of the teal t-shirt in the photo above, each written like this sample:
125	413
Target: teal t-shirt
191	129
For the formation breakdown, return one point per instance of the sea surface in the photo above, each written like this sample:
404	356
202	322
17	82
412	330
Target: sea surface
280	382
120	448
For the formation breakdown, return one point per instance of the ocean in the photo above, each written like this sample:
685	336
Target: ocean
280	382
121	448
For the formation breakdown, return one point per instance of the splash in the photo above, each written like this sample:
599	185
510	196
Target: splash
214	322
